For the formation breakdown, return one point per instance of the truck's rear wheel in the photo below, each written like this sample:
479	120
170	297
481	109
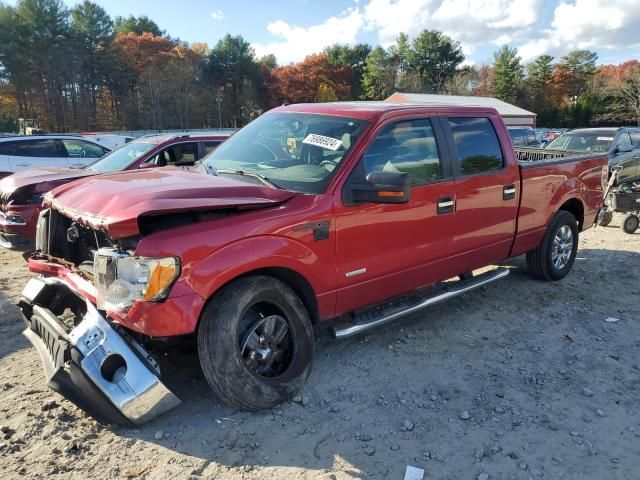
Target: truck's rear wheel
255	343
554	257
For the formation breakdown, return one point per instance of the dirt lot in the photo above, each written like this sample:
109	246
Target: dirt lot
522	379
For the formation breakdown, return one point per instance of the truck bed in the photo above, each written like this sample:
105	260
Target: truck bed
547	178
528	156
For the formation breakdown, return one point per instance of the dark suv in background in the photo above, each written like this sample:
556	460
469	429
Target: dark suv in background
622	146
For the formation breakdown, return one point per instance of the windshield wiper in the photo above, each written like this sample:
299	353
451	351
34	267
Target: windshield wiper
207	168
247	173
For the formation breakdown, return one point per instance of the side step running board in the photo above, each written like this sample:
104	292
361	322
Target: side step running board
379	315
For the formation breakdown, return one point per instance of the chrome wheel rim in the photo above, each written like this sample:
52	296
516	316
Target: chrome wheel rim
562	247
266	346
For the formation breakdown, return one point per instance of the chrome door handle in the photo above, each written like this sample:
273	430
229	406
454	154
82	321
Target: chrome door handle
446	205
509	192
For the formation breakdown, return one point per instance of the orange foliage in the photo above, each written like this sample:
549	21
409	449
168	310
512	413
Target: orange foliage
301	82
610	75
140	51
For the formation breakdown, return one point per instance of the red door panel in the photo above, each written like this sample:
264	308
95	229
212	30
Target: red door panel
487	184
386	250
484	218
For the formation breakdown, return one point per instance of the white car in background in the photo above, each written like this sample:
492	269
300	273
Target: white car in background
109	140
22	152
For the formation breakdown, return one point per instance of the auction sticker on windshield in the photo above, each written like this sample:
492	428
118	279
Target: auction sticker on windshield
605	139
322	141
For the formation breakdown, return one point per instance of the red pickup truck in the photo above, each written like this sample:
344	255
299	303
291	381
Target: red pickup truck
21	194
351	212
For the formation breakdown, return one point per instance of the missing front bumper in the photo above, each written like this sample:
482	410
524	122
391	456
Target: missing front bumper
94	365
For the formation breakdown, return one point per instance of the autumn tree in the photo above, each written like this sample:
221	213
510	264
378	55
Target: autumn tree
353	58
312	79
8	108
138	80
77	69
482	85
574	71
621	87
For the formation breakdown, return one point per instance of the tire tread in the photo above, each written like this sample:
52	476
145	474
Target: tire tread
212	335
537	261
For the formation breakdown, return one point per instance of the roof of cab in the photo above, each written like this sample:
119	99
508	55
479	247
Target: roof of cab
371	110
604	130
159	138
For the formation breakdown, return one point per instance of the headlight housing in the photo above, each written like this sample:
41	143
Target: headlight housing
122	279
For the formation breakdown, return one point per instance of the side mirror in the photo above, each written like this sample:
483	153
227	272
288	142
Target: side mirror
147	165
624	148
382	187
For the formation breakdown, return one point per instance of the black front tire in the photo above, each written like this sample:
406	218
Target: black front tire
226	321
540	260
630	224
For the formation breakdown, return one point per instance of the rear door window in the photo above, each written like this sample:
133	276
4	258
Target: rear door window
406	146
181	154
82	149
42	148
476	144
210	146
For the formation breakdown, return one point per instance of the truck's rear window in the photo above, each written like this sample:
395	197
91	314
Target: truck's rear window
294	151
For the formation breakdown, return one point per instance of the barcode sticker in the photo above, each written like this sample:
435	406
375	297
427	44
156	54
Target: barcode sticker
322	141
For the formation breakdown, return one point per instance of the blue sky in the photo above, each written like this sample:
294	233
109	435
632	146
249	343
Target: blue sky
294	28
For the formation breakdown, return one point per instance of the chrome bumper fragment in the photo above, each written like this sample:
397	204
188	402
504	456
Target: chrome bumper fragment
94	364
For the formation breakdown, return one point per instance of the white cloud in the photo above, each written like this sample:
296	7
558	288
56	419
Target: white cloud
587	24
217	14
468	21
595	24
297	42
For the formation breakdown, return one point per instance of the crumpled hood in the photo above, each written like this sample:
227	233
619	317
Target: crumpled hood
113	203
40	179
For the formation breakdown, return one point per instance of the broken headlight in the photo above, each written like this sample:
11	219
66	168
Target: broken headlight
122	279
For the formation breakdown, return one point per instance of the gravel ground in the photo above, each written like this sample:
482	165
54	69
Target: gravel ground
521	379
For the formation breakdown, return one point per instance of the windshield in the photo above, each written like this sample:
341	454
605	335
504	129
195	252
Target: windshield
294	151
121	158
582	141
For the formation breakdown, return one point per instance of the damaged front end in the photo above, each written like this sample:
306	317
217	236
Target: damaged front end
89	360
